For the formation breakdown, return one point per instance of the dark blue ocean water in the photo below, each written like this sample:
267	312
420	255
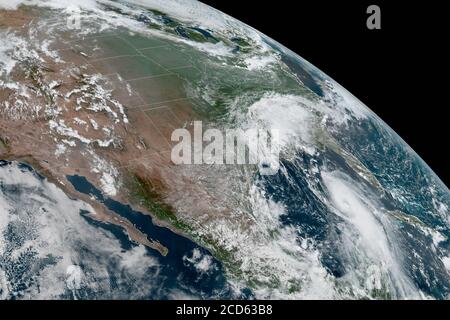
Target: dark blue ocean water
175	272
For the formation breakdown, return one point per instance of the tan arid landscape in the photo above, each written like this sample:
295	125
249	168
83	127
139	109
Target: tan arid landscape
127	131
90	103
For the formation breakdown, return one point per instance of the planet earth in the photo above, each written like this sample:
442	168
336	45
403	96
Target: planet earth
93	207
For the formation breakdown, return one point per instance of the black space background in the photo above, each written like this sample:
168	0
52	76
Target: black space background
401	72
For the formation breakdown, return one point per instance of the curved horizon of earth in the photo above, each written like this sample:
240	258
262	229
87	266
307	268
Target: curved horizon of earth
92	207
